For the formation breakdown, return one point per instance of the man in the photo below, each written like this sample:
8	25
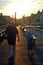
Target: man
11	32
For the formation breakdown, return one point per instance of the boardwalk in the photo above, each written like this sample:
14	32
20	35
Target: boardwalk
21	53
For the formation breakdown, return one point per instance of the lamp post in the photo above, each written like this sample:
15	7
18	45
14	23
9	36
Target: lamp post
15	19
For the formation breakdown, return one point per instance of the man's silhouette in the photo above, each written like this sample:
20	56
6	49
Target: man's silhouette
11	32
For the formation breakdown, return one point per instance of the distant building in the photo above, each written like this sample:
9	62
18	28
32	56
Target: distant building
4	19
37	19
41	18
24	20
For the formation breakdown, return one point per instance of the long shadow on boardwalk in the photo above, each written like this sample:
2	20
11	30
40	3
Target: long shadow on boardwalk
11	61
39	53
32	61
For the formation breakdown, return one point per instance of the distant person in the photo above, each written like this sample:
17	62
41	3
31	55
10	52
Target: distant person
11	32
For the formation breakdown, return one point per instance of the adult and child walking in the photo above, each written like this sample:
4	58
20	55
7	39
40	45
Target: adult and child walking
11	32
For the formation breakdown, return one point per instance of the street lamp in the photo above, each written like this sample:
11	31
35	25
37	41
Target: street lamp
15	18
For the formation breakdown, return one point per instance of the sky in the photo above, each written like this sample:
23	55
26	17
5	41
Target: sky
21	7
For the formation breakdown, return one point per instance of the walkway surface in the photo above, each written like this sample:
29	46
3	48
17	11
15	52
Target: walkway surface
21	52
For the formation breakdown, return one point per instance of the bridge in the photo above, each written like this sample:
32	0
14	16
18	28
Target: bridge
21	52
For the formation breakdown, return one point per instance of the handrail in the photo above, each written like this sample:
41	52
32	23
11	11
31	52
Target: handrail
2	31
39	29
4	25
2	28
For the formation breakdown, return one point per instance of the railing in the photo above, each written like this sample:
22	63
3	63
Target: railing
2	34
2	31
37	32
4	25
3	28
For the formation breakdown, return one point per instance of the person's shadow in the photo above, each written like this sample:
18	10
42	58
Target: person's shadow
31	59
11	60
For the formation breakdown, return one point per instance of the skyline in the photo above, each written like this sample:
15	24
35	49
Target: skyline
21	7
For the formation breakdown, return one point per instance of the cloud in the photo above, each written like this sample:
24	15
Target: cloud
36	0
3	3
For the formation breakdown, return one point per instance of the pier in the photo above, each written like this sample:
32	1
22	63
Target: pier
21	52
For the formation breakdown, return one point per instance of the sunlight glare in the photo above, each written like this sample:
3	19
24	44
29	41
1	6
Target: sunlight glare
19	7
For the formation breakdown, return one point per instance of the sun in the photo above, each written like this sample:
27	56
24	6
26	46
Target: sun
20	8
